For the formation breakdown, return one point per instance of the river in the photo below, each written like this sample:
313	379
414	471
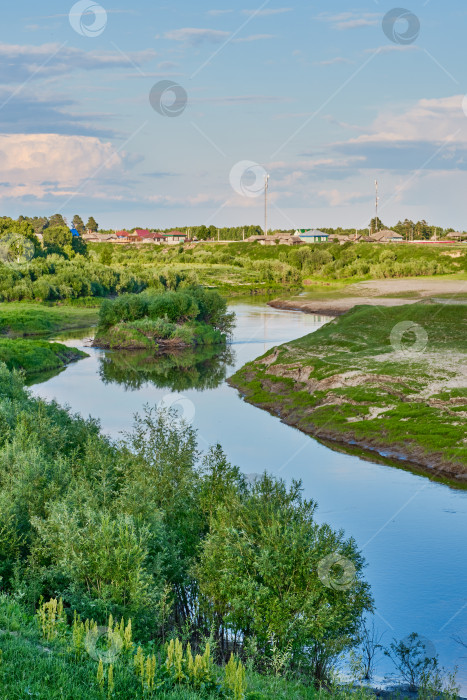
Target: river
410	529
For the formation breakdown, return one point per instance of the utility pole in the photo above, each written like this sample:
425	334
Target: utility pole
377	201
266	187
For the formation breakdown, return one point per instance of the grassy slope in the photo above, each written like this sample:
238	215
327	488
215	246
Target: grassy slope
22	319
413	405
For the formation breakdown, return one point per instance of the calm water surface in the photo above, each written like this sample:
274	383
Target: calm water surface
412	531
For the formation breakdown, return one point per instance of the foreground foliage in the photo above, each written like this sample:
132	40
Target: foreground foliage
134	529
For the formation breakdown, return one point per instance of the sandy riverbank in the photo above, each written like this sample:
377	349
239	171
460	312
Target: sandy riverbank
388	292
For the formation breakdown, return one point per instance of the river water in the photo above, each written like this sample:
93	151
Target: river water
411	530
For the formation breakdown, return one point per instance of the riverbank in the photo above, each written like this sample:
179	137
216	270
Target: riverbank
23	319
335	301
36	356
356	381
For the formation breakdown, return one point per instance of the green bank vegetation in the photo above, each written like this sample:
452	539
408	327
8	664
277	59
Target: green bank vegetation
237	268
23	319
35	356
390	379
187	317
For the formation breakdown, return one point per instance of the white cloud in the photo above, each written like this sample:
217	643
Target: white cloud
194	36
350	20
23	62
432	120
339	198
391	48
267	13
254	37
53	164
217	13
333	61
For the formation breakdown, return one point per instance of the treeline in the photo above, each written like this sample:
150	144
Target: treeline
55	278
41	223
411	230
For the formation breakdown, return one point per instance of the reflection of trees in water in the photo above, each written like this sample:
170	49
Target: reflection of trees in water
195	368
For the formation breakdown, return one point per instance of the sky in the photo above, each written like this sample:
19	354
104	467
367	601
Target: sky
170	114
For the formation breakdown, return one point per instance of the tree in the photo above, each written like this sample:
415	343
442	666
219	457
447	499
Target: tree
12	232
57	237
79	245
78	224
268	571
377	225
57	220
106	255
92	224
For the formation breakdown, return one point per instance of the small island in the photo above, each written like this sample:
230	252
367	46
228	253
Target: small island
164	321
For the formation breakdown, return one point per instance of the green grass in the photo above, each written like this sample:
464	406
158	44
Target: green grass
31	667
23	319
35	356
366	390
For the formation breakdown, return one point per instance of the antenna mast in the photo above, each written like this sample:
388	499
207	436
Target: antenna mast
266	187
377	202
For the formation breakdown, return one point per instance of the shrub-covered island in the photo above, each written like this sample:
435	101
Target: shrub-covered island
392	380
171	319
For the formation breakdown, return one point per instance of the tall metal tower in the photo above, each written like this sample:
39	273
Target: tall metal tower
377	202
266	187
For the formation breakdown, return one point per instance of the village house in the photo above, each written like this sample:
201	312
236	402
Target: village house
387	236
313	236
175	237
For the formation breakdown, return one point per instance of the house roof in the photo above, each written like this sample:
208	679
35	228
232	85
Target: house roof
175	233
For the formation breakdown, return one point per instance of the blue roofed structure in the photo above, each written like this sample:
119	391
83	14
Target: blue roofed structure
74	233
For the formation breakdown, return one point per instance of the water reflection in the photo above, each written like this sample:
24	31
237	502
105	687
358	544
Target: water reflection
195	368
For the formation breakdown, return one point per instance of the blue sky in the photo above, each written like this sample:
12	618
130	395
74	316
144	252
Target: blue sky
315	93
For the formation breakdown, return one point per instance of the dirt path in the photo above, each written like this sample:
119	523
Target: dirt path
391	292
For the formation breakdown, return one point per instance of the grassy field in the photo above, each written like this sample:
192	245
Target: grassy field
387	379
25	319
